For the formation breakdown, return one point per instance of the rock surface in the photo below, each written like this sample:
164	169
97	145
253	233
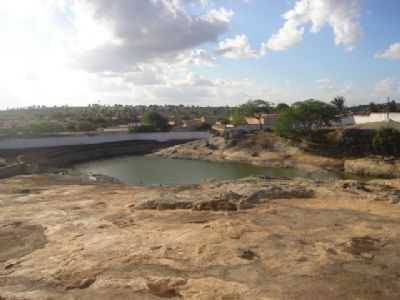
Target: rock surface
223	196
301	240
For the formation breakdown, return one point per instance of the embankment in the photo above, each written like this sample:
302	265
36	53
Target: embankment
35	159
264	149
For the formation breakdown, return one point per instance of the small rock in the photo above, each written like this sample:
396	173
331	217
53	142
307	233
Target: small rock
363	246
82	284
353	186
247	254
215	205
165	287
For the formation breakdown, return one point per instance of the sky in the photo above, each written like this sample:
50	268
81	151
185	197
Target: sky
197	52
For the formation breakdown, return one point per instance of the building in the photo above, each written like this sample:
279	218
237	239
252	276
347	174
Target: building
266	122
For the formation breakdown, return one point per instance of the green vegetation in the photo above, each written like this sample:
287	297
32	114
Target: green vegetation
302	117
386	141
155	120
339	102
296	119
39	120
252	108
281	107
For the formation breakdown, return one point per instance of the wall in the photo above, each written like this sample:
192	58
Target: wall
59	141
44	159
376	117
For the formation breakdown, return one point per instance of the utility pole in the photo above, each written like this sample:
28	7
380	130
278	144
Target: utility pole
388	109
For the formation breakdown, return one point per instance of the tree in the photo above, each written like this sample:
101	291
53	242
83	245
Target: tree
237	117
281	107
372	107
392	106
302	117
339	103
387	141
155	120
253	108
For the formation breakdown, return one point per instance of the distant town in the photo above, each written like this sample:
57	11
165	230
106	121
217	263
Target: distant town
253	115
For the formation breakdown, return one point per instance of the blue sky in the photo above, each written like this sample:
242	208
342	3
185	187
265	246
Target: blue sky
317	57
213	52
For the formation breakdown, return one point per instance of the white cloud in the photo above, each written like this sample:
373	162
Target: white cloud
198	57
325	84
392	53
146	31
341	15
388	87
237	48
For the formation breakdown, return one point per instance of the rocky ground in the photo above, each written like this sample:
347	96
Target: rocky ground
255	238
265	149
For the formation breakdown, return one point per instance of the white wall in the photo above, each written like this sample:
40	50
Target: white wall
39	142
371	118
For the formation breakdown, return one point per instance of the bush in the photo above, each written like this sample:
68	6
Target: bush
155	120
386	141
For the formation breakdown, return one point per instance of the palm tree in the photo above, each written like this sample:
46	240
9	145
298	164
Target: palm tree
339	102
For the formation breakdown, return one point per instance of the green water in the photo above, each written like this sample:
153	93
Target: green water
142	170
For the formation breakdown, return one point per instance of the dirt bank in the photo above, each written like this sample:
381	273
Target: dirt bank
246	239
263	149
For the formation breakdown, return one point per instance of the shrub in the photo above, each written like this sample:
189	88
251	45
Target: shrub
155	120
386	141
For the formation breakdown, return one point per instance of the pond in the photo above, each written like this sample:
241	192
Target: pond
144	170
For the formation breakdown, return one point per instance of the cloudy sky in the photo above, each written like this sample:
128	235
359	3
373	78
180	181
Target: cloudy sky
201	52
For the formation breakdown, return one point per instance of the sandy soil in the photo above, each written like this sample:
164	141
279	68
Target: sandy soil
64	240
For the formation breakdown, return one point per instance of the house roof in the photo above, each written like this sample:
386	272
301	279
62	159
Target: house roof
253	121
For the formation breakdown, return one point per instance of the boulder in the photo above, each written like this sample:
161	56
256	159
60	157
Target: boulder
275	192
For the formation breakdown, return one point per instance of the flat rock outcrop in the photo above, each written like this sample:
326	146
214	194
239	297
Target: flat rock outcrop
223	196
297	239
